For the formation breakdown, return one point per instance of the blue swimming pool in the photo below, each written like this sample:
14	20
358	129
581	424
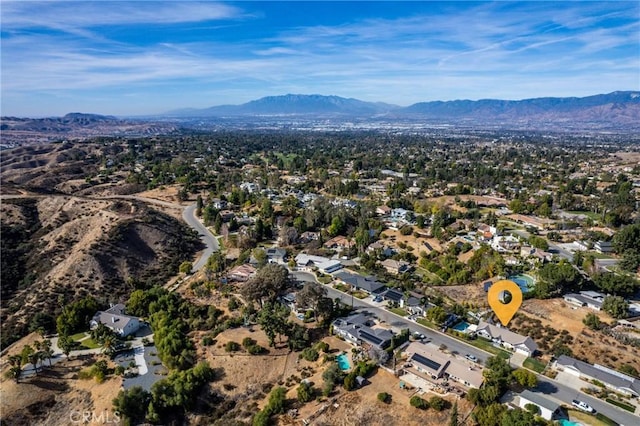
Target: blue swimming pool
343	362
525	282
565	422
461	326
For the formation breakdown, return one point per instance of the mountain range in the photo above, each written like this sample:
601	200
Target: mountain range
622	107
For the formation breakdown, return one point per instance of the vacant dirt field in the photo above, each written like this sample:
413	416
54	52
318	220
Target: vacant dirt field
56	396
394	238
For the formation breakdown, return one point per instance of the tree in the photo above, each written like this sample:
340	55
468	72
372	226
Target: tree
517	417
555	278
525	378
186	267
132	404
310	296
273	320
384	397
333	374
437	403
615	306
592	321
305	392
616	284
627	243
269	282
418	402
66	344
288	235
436	314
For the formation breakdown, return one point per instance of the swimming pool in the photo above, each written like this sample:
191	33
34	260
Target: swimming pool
343	362
565	422
525	282
461	326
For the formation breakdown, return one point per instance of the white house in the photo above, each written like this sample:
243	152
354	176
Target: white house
547	407
507	338
115	319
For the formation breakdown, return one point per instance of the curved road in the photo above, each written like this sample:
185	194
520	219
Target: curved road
549	387
189	216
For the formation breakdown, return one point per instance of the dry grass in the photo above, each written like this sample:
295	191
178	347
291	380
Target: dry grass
56	394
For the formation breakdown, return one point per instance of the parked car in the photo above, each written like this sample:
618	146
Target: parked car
471	357
583	406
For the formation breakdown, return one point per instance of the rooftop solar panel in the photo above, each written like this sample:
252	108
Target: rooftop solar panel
426	361
370	337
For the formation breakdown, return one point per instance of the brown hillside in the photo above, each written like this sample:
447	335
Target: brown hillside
65	236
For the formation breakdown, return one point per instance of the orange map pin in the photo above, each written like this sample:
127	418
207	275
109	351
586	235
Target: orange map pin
505	298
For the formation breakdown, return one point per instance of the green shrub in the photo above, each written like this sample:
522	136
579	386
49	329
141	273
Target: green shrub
349	382
310	354
437	403
418	402
322	347
384	397
231	346
248	341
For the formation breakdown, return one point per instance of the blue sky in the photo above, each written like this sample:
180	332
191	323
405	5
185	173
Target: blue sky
143	57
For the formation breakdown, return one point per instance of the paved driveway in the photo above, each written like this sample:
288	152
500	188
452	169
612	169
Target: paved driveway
150	367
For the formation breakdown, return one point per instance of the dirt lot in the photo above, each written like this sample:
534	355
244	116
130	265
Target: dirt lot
56	396
393	238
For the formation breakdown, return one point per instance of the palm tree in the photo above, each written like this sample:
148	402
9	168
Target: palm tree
34	357
108	344
47	352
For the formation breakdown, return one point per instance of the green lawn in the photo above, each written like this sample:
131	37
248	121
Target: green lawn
426	323
79	336
89	344
326	280
342	287
399	311
360	294
488	346
534	364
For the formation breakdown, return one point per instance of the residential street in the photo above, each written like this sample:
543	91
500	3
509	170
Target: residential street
211	242
549	387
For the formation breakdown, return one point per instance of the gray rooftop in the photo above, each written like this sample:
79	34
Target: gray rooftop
539	400
603	374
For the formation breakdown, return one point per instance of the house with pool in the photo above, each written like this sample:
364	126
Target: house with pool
357	330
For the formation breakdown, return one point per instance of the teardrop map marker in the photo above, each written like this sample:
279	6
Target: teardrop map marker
505	298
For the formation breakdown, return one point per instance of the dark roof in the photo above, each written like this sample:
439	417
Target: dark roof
368	284
426	362
394	295
370	337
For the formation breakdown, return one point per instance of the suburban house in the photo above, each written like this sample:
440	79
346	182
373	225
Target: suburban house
425	361
393	295
610	378
383	210
590	299
548	408
306	262
357	330
241	272
603	247
358	282
383	249
276	255
339	243
510	340
396	267
115	319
